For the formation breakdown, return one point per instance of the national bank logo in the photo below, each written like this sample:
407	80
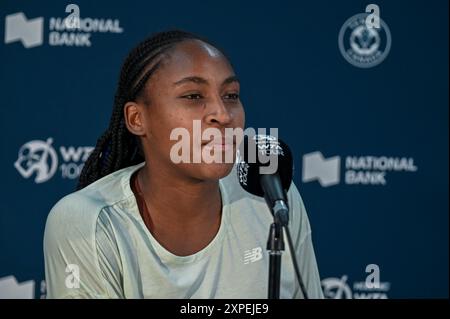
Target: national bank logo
71	30
325	171
19	28
355	170
11	289
39	160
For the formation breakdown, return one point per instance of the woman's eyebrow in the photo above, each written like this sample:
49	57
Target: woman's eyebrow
195	79
200	80
231	79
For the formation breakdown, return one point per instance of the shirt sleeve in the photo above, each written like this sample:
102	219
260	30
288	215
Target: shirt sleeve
81	260
304	252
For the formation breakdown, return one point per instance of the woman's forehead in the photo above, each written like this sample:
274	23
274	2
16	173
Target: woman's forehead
194	57
197	47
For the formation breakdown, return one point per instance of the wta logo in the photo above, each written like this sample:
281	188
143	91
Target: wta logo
370	288
39	159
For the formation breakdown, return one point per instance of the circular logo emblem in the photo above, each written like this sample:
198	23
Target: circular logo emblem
364	46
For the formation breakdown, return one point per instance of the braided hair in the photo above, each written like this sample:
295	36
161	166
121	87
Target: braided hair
117	147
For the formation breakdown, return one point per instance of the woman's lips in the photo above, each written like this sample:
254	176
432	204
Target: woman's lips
224	145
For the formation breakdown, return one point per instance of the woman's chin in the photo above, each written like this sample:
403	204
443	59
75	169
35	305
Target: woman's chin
216	171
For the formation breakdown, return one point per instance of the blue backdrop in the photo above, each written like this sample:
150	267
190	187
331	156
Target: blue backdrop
370	143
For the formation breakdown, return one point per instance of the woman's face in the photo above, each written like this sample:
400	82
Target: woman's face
194	82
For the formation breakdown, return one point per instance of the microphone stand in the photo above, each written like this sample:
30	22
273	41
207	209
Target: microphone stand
273	188
275	246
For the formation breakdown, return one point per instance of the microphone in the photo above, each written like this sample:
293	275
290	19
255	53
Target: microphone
265	169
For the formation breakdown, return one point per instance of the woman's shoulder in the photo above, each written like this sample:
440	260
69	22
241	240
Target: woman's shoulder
81	209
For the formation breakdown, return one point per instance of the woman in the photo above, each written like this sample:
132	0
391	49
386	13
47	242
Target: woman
142	226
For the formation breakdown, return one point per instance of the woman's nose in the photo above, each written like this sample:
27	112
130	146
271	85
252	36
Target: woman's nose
218	113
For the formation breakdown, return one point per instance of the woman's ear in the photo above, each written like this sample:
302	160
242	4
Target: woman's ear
134	118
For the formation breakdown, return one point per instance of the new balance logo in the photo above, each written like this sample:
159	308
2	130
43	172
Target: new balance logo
252	255
316	167
29	32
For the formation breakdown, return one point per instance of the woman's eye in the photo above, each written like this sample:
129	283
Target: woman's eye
231	96
193	96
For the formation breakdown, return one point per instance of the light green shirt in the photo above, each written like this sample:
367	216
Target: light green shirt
97	235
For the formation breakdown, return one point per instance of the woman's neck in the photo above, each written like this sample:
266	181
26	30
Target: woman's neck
185	198
179	207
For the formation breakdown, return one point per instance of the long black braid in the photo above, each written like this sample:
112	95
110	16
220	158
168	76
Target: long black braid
117	147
